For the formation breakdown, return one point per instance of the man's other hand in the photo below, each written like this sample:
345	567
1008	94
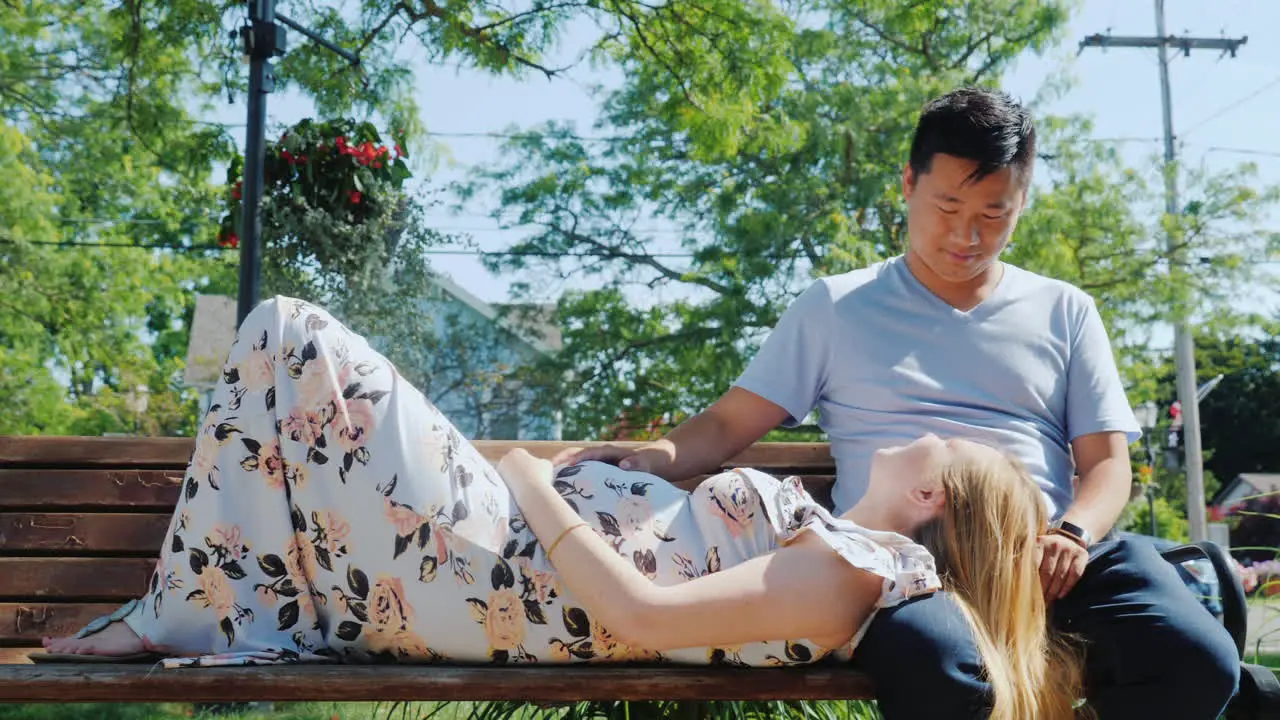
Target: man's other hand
1062	562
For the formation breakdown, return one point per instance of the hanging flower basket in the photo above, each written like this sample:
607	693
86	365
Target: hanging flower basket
331	193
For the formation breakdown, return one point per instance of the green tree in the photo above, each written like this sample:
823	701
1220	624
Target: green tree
99	101
806	182
1238	426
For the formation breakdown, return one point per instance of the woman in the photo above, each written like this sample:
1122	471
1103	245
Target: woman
330	512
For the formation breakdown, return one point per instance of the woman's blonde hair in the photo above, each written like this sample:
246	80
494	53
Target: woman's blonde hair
985	548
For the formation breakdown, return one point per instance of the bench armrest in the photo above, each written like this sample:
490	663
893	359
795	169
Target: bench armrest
1235	611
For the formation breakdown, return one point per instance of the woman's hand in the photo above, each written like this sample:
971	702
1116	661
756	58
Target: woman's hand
519	466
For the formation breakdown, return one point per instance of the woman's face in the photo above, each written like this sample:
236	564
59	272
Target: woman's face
911	469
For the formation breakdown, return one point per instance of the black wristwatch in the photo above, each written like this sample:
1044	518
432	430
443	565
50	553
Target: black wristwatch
1073	531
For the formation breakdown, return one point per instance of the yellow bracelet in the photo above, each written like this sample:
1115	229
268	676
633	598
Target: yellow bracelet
562	535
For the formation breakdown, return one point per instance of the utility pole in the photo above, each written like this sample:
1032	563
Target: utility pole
1183	341
262	39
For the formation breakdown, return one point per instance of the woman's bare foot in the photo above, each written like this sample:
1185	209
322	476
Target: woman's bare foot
117	639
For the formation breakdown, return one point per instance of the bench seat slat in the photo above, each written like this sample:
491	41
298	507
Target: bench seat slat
74	533
357	683
74	579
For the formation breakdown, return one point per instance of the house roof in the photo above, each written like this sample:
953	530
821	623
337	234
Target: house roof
1261	483
530	323
213	330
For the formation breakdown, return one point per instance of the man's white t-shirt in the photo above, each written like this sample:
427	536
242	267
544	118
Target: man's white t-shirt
884	361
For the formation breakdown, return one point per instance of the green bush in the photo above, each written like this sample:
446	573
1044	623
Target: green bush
1170	522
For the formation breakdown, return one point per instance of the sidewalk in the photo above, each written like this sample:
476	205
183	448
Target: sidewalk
1264	624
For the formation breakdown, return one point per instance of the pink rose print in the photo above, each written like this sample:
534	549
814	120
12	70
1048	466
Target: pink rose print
303	426
734	501
354	420
257	372
271	464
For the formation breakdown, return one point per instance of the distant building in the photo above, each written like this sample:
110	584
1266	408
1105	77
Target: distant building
466	377
482	342
1246	485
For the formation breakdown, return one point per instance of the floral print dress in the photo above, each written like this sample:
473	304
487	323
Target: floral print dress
331	513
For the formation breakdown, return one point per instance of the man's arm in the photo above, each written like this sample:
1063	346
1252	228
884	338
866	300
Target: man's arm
1102	461
1106	479
785	379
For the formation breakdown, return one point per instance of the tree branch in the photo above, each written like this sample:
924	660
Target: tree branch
433	10
377	30
613	252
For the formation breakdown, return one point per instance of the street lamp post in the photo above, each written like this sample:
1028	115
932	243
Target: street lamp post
1146	415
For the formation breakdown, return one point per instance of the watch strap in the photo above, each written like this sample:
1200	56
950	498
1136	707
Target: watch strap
1073	531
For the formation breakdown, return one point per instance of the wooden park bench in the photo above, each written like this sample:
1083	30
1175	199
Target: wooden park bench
82	520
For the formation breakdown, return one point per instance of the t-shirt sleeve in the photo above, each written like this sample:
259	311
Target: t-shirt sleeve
1096	401
790	370
906	569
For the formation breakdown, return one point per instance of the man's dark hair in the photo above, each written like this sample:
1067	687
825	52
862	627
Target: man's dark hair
985	126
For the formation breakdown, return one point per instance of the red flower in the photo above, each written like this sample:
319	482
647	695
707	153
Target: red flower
399	150
355	196
288	157
342	145
230	240
235	191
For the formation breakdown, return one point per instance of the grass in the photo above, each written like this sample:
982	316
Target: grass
277	711
453	711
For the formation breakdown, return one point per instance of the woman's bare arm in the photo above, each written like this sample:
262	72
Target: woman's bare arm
802	591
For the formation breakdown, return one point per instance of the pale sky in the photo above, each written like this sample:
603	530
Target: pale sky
1224	109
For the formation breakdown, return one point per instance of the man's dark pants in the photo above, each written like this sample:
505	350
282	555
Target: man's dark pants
1152	649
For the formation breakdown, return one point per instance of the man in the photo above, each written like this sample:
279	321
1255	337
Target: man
950	340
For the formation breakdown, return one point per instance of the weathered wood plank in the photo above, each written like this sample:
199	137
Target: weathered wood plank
80	488
44	451
15	655
74	579
26	623
75	451
74	533
113	683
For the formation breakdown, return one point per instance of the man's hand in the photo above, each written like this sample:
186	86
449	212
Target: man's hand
1062	562
638	459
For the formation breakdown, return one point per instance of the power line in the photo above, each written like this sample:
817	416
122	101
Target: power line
1233	105
1244	151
